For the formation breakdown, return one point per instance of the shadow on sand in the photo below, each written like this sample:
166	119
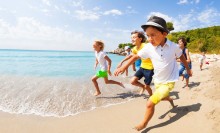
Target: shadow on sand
175	93
194	84
179	113
125	95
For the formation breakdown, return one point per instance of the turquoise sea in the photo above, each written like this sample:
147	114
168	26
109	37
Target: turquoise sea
56	83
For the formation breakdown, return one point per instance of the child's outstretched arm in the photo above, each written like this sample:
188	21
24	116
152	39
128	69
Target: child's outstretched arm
126	58
183	60
109	64
121	69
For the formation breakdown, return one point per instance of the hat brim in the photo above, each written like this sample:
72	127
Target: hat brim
144	27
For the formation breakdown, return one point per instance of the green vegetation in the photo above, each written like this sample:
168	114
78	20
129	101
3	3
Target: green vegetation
122	45
204	39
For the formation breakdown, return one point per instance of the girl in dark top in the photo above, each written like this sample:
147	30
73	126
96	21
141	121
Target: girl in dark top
182	44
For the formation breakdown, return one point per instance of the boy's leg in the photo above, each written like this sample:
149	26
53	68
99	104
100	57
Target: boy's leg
169	99
161	93
126	72
201	67
187	83
147	117
134	81
181	70
107	81
94	80
148	75
149	90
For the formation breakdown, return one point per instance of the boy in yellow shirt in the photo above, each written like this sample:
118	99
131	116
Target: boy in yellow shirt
146	69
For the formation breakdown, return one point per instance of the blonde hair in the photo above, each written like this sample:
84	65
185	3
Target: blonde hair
100	43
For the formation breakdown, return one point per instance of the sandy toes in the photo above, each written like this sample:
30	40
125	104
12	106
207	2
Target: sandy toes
140	127
97	93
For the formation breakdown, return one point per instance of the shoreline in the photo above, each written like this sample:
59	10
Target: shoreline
198	111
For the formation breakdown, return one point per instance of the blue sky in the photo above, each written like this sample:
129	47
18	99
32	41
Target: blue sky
75	24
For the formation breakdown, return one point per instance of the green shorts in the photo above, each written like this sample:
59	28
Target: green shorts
102	74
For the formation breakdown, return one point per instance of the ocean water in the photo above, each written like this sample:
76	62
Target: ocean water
56	83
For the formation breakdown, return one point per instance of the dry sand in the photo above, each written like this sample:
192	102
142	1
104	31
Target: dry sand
198	111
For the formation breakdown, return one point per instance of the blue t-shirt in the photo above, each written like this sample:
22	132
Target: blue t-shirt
137	64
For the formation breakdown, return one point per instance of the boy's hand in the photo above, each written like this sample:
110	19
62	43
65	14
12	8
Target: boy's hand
189	72
109	73
119	71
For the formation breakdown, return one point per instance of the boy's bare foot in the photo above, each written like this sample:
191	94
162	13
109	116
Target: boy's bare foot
97	93
171	103
174	106
140	127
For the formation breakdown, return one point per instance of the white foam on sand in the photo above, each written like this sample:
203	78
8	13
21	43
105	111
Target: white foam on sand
57	97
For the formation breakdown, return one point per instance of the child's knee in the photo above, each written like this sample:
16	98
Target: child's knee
133	81
150	104
106	81
93	79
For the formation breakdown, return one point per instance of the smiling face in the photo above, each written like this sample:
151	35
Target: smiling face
155	37
181	44
135	40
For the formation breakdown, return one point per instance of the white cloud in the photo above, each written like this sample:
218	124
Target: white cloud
96	8
191	20
164	16
46	2
113	12
208	16
181	23
66	11
2	9
182	2
77	3
94	14
31	34
87	15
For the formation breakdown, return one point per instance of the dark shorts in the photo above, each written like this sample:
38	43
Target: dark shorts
182	70
147	74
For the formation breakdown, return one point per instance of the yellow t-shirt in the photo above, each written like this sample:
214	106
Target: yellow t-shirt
145	63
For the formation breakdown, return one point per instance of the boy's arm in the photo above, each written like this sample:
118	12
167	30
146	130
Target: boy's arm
96	63
121	69
183	60
188	57
109	64
126	58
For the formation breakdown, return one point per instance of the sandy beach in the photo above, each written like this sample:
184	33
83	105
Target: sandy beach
198	111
